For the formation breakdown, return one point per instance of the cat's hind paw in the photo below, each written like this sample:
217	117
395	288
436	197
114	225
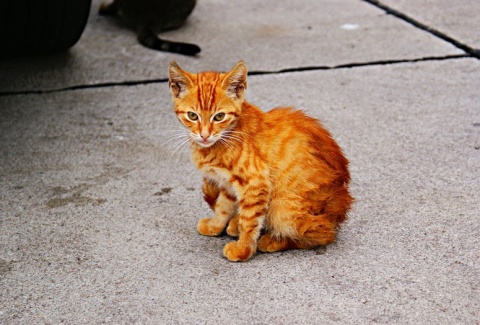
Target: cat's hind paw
236	252
269	244
232	228
207	227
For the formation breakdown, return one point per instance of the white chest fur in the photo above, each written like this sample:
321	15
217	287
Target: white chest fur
221	177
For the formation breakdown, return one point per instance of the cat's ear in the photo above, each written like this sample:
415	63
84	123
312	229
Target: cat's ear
178	80
235	81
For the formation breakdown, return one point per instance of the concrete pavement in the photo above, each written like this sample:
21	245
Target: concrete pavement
98	212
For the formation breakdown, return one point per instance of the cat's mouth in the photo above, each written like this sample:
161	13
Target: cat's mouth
205	143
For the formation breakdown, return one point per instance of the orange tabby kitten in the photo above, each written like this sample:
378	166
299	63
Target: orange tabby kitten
277	180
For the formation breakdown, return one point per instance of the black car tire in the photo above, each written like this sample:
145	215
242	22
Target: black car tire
30	27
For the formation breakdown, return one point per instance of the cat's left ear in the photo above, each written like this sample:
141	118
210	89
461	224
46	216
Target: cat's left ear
235	81
178	80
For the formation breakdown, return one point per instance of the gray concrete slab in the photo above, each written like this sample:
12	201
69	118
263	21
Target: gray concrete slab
270	35
457	19
98	213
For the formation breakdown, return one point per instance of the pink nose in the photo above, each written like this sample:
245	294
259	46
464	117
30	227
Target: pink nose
204	135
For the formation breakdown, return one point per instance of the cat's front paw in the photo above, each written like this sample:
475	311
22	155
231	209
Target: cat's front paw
236	251
207	227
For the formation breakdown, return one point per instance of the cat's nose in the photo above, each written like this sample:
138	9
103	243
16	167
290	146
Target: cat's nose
205	135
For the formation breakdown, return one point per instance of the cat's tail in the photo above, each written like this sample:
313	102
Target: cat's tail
147	37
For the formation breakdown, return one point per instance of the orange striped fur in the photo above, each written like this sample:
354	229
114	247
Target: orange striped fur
277	180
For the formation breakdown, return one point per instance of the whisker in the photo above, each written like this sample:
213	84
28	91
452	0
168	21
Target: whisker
173	131
232	137
174	137
178	148
176	141
239	133
225	142
230	141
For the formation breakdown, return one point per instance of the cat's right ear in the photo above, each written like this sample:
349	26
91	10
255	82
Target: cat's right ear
235	81
178	81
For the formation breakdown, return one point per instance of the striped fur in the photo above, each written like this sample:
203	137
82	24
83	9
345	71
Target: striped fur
277	180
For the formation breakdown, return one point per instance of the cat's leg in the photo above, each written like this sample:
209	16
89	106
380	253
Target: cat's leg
315	230
211	191
232	228
269	243
252	208
289	226
319	225
110	9
311	231
225	208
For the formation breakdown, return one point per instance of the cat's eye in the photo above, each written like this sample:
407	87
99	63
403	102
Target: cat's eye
219	117
192	116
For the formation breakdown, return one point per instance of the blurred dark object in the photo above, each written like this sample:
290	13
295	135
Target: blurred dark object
33	27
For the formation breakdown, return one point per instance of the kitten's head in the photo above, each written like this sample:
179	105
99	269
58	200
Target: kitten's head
208	104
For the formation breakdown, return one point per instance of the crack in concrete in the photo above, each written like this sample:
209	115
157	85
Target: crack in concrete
250	73
470	50
362	64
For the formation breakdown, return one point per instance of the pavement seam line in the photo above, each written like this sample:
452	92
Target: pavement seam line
470	50
250	73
